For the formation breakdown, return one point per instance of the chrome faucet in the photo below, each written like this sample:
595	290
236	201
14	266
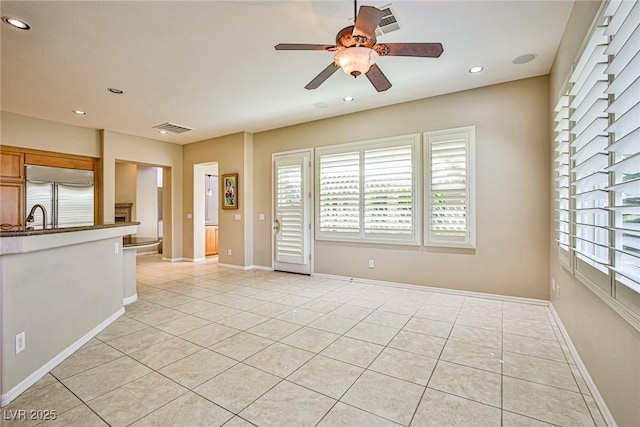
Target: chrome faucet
30	218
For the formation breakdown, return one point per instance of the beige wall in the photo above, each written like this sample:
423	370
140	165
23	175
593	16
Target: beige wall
512	184
125	184
607	344
229	152
38	134
127	148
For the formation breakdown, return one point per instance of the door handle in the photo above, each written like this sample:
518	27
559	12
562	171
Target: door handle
276	227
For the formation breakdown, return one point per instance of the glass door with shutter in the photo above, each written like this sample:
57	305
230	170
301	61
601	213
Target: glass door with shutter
292	212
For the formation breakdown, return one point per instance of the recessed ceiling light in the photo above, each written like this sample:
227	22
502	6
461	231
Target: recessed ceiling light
476	69
164	132
21	25
115	90
79	112
348	98
523	59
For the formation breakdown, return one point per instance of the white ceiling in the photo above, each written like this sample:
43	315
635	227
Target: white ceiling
211	65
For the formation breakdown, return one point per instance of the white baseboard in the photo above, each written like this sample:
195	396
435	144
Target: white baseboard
129	300
173	259
44	369
194	260
236	267
506	298
261	267
597	397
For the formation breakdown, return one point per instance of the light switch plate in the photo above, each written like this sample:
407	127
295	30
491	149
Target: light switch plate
261	217
238	217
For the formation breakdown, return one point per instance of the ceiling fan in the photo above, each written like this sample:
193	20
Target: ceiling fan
357	50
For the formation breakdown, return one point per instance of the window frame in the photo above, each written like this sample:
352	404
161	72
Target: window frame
469	240
361	147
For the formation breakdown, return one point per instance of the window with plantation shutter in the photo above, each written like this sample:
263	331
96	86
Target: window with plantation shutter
624	150
368	191
604	179
449	186
563	205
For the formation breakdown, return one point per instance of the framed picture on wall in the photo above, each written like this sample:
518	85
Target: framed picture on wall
230	191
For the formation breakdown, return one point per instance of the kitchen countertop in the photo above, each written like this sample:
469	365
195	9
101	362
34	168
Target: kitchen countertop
19	233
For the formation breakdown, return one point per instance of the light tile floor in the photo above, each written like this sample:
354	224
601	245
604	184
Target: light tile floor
206	345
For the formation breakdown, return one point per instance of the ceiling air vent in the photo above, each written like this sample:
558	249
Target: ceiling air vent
172	127
388	23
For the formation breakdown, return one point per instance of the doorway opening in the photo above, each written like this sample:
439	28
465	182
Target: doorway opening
206	190
139	197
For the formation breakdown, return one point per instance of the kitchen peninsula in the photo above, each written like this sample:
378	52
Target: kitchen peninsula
58	287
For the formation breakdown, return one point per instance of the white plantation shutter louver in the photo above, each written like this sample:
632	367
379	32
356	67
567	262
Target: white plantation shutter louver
624	151
563	202
368	191
449	179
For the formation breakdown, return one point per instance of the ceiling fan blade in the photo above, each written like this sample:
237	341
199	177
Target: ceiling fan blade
296	46
368	19
320	78
425	50
378	79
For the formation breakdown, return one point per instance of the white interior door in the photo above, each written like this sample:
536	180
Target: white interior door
292	212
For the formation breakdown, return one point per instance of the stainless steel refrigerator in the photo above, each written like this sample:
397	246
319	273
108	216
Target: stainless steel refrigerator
67	194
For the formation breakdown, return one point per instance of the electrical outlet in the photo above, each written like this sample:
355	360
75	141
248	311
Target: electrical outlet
229	252
553	285
372	263
116	248
20	342
557	291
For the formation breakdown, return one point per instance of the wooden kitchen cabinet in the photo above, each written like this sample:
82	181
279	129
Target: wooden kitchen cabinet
11	189
11	165
211	240
11	205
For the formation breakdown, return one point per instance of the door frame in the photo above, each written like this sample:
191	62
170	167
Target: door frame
312	212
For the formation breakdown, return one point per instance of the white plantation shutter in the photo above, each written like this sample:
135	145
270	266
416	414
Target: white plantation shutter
563	205
339	194
449	216
604	146
588	117
290	213
388	191
368	191
624	131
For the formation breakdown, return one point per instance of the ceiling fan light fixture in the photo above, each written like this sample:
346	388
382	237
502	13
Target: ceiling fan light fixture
356	60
